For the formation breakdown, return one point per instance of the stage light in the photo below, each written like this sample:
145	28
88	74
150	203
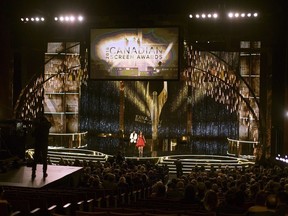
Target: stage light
190	16
243	14
32	19
236	15
72	18
80	18
69	18
197	16
230	15
203	16
255	14
209	15
215	15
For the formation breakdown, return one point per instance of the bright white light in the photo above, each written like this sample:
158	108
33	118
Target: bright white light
190	16
255	14
236	14
243	14
42	19
215	15
27	19
230	15
72	18
80	18
22	19
209	15
203	16
37	19
61	18
249	15
197	16
32	19
66	18
56	18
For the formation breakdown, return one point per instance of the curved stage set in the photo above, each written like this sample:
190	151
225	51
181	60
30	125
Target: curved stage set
19	175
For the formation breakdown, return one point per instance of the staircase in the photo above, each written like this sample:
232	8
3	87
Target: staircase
207	162
190	162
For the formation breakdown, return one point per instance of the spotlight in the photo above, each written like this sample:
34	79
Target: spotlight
255	14
203	16
230	15
80	18
197	16
190	16
72	18
215	15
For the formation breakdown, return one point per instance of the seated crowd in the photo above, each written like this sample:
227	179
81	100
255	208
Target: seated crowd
255	190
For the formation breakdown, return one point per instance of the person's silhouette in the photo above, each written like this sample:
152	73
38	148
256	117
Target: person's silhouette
40	132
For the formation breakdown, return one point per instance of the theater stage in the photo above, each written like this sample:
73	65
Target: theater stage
57	176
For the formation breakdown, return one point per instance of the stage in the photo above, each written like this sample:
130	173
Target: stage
57	176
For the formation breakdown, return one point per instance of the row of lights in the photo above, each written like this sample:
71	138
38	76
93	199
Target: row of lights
66	19
281	158
229	15
33	19
69	18
204	16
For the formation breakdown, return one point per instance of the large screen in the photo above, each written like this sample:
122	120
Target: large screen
134	53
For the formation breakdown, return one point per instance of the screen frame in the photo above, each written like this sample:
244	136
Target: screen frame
139	78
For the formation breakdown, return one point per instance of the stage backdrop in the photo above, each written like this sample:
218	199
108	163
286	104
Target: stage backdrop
160	109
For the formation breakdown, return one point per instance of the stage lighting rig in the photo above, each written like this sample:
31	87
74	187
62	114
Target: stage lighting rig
69	19
32	19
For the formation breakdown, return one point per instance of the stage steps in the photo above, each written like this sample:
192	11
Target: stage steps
207	162
70	154
190	162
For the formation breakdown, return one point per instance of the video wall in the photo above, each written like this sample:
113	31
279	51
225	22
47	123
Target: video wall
134	53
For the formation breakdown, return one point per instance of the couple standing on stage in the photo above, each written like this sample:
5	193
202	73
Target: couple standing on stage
139	141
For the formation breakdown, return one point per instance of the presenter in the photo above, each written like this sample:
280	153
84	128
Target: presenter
140	144
133	138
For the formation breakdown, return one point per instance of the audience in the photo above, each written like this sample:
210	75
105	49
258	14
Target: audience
254	190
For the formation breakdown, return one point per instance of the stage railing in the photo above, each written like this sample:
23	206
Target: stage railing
68	140
242	148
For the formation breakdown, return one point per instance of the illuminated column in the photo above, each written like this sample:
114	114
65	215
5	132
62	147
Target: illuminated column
121	106
155	107
189	111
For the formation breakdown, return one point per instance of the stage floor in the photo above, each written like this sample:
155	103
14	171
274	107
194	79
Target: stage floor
21	177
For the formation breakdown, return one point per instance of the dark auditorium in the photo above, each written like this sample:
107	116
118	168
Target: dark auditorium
144	108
